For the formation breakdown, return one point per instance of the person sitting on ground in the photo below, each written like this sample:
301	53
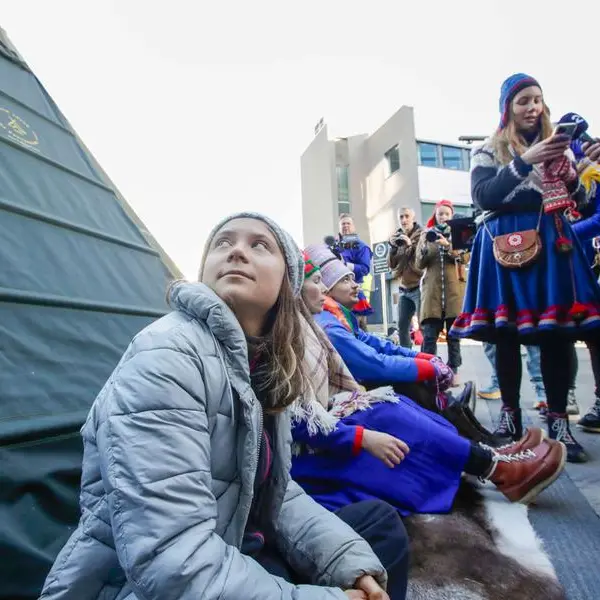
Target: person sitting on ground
370	358
346	440
374	362
185	489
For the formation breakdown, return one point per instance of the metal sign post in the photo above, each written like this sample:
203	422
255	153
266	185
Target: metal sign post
381	251
384	303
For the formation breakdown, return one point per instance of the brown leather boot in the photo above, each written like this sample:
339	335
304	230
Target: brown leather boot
532	438
521	477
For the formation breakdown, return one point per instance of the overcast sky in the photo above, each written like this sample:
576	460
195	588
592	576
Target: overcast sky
197	109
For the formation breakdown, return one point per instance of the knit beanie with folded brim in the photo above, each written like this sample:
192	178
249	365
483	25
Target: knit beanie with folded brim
509	89
333	270
291	253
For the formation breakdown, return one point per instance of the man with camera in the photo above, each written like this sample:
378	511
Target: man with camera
402	260
357	256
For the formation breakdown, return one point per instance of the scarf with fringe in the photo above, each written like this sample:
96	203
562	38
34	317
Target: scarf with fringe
341	313
332	393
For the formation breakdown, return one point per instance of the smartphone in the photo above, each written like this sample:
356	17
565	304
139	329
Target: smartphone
567	129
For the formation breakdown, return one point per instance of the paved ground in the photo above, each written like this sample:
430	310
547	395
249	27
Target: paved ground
586	476
566	515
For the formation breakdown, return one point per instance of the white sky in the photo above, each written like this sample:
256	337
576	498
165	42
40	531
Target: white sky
197	109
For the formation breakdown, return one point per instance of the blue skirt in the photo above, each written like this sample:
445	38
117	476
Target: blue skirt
426	481
533	301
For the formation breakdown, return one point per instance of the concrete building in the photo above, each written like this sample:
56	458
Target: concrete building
371	176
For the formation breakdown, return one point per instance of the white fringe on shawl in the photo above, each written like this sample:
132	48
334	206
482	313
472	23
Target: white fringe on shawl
332	393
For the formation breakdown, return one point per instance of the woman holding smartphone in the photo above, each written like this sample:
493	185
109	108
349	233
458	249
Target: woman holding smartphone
529	281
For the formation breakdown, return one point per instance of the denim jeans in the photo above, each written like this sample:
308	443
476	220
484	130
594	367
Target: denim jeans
409	305
534	368
431	329
595	358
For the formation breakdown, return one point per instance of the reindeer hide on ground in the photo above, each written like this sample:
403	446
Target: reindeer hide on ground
486	549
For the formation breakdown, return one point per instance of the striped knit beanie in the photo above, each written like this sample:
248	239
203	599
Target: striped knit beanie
309	266
510	88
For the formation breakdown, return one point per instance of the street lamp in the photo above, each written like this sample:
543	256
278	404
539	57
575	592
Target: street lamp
469	139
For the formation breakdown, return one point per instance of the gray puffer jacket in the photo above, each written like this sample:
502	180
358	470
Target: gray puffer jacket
170	455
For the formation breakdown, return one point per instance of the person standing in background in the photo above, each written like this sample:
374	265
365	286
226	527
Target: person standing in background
443	283
357	255
529	281
401	259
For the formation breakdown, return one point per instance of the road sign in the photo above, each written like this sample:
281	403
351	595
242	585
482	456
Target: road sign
381	251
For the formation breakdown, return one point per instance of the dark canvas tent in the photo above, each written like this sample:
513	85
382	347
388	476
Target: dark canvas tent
79	277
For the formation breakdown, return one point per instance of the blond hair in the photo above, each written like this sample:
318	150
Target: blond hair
508	140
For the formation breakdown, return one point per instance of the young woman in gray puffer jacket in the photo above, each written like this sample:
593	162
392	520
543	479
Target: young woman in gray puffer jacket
185	487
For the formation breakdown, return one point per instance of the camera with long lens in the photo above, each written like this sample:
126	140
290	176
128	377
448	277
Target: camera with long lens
349	242
431	235
334	246
397	239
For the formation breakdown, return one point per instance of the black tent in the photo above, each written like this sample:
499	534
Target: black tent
79	277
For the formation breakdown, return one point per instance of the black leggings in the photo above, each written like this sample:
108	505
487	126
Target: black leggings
557	368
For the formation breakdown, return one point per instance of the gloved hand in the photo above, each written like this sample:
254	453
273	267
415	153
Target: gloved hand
443	373
560	169
558	173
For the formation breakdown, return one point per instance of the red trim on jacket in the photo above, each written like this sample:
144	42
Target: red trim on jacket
358	440
425	370
425	356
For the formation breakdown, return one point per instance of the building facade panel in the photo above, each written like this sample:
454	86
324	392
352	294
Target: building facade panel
319	189
372	176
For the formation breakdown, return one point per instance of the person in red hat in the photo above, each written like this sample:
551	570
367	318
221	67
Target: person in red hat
443	283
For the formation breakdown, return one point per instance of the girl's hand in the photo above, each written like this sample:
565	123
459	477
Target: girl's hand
553	147
372	590
385	447
443	242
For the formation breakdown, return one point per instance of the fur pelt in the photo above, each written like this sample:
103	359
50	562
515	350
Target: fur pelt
486	549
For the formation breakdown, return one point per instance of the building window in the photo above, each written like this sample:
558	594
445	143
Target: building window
452	158
428	155
467	160
343	189
392	157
